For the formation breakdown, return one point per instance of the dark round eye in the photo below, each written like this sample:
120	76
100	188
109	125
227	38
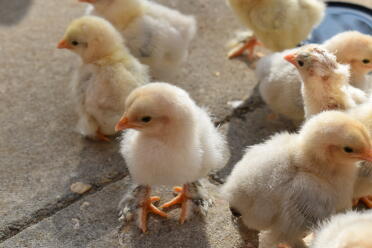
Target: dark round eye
74	43
146	119
348	149
300	63
365	61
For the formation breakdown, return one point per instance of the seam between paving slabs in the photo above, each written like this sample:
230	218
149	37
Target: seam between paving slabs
13	228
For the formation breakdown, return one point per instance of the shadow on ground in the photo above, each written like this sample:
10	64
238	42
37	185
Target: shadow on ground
251	124
13	11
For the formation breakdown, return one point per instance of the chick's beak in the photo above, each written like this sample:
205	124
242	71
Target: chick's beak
367	156
63	44
87	1
124	123
291	58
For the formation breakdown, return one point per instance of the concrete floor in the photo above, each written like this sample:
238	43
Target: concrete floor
41	155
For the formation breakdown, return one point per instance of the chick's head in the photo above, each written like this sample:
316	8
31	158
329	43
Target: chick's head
334	136
157	108
313	61
92	38
352	48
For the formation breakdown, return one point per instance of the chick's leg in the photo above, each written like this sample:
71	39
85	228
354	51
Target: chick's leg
147	207
182	198
367	200
101	136
249	45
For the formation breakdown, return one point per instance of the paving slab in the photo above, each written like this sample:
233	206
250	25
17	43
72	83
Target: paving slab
40	153
252	123
92	222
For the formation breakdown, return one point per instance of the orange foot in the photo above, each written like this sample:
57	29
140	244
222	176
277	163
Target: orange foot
248	45
146	208
101	136
367	200
181	198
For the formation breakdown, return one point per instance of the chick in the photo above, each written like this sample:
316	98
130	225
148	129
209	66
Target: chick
325	83
363	186
277	24
284	186
172	141
280	82
355	49
106	77
158	36
349	230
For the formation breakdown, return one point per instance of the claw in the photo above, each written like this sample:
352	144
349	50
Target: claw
367	200
101	136
146	208
248	45
182	199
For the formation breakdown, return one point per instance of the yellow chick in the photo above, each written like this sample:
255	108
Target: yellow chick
363	186
171	141
355	49
158	36
277	24
349	230
108	74
285	186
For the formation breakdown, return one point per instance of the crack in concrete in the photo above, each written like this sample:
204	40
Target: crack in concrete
13	228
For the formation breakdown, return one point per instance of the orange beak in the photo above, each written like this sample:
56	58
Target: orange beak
125	124
291	58
87	1
367	156
63	44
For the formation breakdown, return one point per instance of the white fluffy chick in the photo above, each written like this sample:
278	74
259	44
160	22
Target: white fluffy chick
108	74
158	36
355	49
325	83
277	24
284	186
172	141
280	83
348	230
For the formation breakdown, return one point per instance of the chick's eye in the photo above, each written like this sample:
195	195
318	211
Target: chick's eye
146	119
365	61
74	43
300	63
348	149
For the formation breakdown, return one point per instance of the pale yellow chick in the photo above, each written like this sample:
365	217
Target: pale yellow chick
355	49
106	77
349	230
157	35
363	186
277	24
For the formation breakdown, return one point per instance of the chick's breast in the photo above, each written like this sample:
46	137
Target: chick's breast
153	162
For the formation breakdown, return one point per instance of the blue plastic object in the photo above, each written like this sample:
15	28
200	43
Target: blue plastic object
342	17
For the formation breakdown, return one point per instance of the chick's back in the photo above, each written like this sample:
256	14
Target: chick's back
258	182
280	85
279	24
